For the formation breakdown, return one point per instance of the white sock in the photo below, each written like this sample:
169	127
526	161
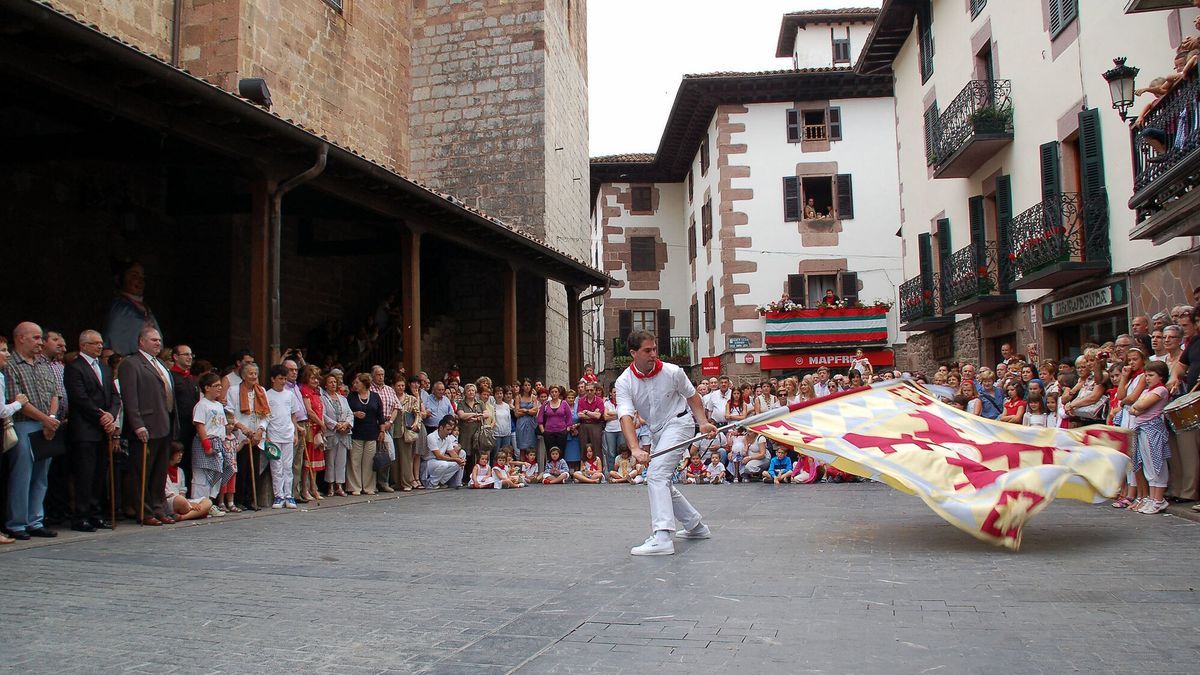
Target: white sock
662	536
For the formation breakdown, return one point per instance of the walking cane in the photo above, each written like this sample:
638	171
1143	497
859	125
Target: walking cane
142	506
253	475
112	485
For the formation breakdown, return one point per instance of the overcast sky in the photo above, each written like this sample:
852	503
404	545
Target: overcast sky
639	49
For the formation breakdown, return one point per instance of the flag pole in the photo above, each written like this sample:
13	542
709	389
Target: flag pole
775	412
142	504
112	483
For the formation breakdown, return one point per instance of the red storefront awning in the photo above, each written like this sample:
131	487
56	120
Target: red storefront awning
832	360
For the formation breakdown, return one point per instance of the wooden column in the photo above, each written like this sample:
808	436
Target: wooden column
260	241
410	294
574	336
510	325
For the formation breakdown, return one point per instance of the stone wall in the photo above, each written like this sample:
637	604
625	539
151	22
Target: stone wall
145	23
565	144
1160	287
924	351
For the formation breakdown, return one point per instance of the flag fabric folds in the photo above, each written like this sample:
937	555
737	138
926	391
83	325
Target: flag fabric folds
984	477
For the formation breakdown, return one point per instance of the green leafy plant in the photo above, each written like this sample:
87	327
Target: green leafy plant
992	119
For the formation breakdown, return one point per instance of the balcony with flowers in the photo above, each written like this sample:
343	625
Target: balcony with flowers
844	322
972	129
976	280
921	304
1166	165
1060	241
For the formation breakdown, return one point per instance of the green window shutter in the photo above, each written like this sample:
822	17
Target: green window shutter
845	197
1004	216
793	126
978	230
931	134
835	124
1051	181
1091	154
791	198
943	235
925	256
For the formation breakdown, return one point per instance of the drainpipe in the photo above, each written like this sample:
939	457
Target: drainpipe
176	30
277	235
594	294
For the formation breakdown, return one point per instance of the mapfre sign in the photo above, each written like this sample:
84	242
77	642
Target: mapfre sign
833	361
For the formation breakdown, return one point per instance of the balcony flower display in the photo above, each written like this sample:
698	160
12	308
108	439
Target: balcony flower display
1041	249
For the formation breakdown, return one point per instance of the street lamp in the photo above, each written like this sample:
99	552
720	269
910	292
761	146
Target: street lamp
1120	86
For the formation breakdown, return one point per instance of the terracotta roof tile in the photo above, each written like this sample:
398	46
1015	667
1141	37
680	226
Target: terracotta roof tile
625	158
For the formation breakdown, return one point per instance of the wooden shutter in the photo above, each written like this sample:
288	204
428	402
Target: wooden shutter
624	328
835	124
706	221
642	256
791	199
1091	155
794	127
848	286
975	210
1004	215
691	235
1062	13
798	288
694	320
691	185
925	38
1051	182
662	328
943	235
931	134
845	197
925	259
642	199
704	155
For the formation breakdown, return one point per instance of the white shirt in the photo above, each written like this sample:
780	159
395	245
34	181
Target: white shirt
716	404
821	388
212	415
715	470
7	409
95	364
613	425
659	399
281	423
249	420
503	413
434	441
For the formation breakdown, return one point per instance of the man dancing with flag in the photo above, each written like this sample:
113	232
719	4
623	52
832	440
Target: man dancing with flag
663	395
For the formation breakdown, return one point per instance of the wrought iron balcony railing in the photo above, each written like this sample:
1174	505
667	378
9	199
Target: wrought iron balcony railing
973	271
680	353
920	301
1059	230
1166	147
982	107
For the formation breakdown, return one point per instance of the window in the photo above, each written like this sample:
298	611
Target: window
797	287
704	156
642	199
691	235
818	197
977	7
710	310
694	320
841	50
642	256
642	320
931	134
691	185
817	285
925	38
335	4
1062	13
814	125
706	221
835	124
817	192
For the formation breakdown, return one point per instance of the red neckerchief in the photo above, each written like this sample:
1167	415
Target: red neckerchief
658	365
173	473
183	373
1134	375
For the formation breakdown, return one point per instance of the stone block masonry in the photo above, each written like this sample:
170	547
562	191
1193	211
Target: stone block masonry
730	219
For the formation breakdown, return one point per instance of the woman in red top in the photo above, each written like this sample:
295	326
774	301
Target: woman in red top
314	437
1014	405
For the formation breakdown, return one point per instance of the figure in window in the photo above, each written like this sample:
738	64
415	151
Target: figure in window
810	209
830	299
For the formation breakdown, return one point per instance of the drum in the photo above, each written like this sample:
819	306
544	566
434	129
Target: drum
1184	413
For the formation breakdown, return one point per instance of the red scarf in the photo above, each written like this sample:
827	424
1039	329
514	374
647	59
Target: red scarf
186	374
173	473
658	366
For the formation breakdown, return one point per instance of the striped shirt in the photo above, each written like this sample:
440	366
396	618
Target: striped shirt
33	378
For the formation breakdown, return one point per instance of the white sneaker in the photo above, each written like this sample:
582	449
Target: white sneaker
700	531
1151	507
653	547
215	511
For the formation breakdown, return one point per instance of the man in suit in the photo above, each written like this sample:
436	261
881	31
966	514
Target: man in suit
187	394
94	406
149	405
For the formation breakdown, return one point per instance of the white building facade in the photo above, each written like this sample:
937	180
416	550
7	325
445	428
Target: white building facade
1016	174
765	185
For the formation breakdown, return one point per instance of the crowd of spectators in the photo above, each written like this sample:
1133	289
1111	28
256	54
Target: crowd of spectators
205	441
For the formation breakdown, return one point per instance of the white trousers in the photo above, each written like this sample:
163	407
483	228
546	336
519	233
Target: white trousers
443	472
667	504
281	471
201	488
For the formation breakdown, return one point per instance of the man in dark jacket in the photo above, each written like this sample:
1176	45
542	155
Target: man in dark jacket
92	393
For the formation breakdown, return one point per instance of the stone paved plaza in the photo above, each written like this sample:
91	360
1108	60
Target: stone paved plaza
854	579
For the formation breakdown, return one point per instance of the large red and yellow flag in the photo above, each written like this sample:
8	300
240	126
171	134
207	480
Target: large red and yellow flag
986	478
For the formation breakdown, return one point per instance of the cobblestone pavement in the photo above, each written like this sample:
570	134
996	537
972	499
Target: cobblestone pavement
854	578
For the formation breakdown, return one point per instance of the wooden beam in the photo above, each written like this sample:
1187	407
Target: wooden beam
410	299
260	330
574	336
510	325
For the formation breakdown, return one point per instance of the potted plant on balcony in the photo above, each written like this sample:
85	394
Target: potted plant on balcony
680	352
992	119
984	281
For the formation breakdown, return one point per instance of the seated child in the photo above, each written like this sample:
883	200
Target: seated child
176	487
736	452
481	474
780	468
589	468
716	470
530	469
805	469
625	469
502	474
695	471
557	470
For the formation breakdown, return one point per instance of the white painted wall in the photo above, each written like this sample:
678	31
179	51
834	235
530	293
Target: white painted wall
814	43
1044	88
867	242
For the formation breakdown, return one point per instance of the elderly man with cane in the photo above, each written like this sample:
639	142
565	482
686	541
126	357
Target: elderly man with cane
663	395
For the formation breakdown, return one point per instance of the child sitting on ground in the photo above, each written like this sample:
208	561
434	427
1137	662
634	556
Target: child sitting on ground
557	470
481	474
176	487
502	476
589	469
780	468
716	470
530	469
695	471
624	471
736	452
